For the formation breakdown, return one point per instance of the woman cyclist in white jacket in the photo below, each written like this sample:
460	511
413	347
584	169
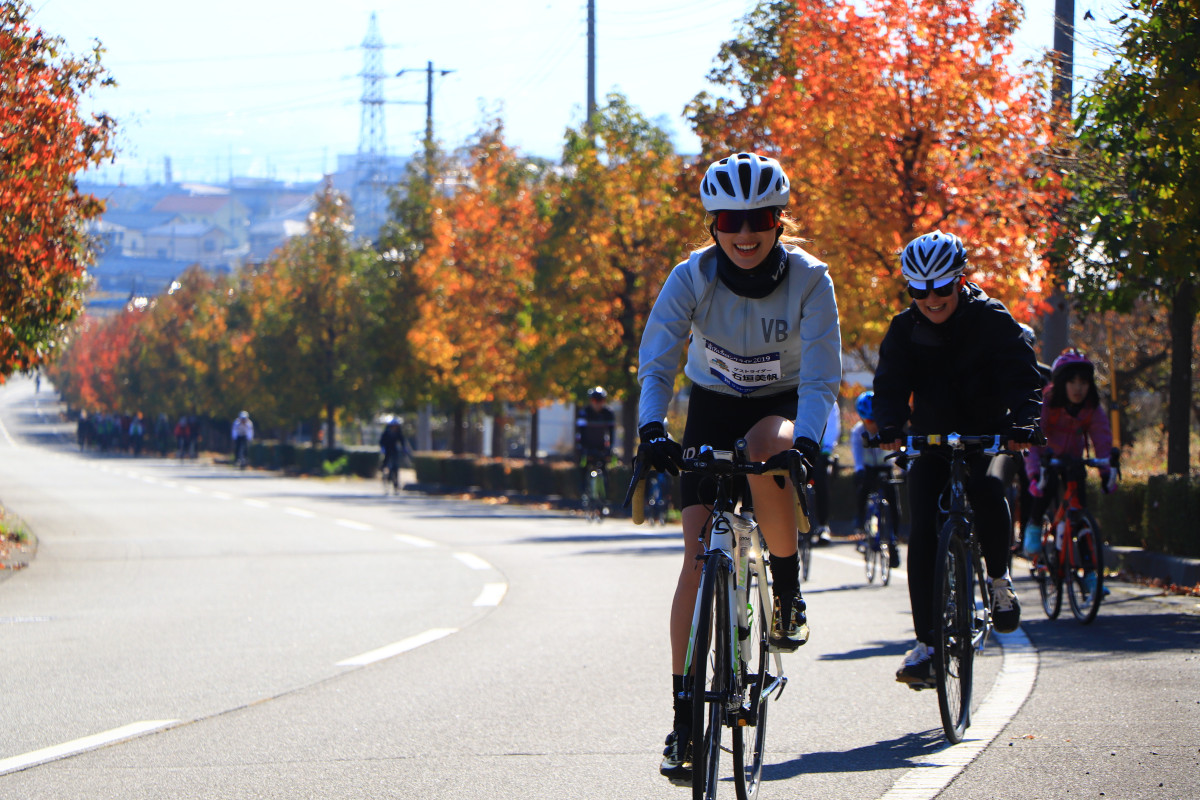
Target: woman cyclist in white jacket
764	360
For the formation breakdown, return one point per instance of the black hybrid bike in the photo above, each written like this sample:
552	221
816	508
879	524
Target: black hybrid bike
882	524
731	672
962	600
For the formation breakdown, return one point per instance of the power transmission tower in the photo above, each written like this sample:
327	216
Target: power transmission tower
370	185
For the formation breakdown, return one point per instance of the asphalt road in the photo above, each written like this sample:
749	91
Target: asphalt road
189	631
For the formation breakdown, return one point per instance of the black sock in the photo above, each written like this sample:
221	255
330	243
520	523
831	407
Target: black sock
785	570
682	709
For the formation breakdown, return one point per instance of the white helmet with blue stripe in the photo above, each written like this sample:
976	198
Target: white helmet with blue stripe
935	257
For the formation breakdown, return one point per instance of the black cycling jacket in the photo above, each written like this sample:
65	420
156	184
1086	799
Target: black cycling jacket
972	374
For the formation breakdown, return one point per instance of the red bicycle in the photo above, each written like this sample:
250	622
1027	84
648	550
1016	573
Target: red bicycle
1072	548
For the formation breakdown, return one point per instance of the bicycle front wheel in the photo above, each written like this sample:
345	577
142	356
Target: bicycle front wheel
758	684
871	548
710	669
1085	573
1048	574
953	646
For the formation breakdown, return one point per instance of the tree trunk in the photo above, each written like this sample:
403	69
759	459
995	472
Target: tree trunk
499	445
1179	410
330	428
629	419
458	444
534	444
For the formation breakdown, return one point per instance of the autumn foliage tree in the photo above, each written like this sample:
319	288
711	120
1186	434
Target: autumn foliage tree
45	141
474	326
893	118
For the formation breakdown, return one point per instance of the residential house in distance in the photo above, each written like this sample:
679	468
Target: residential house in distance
214	209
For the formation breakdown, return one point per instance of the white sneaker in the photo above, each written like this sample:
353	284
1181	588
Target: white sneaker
1006	609
917	670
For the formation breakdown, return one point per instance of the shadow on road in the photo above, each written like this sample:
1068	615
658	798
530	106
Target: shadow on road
898	753
1115	632
872	650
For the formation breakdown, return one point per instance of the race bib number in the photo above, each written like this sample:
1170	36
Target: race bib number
743	373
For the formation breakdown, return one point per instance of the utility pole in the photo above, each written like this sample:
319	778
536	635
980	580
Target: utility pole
1056	324
591	66
429	72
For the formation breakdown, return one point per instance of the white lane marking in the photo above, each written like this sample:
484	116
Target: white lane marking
1012	687
395	649
192	490
256	503
414	541
472	561
491	595
8	437
47	754
222	495
299	512
358	526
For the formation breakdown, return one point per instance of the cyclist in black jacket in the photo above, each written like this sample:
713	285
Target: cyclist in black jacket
962	358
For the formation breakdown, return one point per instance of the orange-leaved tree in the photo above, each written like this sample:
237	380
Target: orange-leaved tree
624	215
45	141
476	275
894	118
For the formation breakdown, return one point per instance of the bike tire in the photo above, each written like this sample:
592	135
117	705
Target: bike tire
804	548
870	554
885	562
1087	550
1048	574
953	647
709	671
748	762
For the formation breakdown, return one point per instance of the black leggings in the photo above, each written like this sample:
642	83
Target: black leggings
927	477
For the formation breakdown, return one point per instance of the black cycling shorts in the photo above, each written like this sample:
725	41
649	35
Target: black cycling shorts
719	420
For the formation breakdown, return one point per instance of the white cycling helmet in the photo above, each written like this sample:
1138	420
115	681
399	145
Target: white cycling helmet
744	181
935	257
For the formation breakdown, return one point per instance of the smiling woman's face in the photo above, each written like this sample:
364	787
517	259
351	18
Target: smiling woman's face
938	309
747	249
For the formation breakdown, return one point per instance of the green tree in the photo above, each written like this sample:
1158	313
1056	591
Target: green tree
625	212
45	141
318	319
1138	186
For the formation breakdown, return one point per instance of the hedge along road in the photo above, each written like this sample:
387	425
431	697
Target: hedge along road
298	638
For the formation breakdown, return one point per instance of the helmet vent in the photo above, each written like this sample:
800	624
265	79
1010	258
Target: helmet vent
726	184
745	177
764	180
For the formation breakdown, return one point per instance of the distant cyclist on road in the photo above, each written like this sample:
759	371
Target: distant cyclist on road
759	320
867	477
963	360
242	435
595	429
393	444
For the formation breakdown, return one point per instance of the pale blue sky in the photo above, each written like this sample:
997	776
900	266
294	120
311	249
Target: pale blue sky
274	88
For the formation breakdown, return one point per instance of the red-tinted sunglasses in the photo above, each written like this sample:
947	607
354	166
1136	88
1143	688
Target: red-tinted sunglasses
760	219
940	291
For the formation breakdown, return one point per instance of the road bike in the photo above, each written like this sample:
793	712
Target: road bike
594	497
390	473
804	537
728	678
658	498
881	529
962	602
1072	547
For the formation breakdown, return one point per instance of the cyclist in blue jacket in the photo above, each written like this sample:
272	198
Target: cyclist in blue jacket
758	317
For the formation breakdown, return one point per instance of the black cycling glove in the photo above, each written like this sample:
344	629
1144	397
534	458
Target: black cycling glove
657	450
798	460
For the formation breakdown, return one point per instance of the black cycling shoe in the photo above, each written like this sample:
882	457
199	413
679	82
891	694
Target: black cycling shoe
677	760
789	623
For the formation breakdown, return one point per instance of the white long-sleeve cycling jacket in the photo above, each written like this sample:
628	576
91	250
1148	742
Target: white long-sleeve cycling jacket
745	346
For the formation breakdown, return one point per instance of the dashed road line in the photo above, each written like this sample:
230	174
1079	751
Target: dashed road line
492	594
352	525
66	749
395	649
414	541
472	561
